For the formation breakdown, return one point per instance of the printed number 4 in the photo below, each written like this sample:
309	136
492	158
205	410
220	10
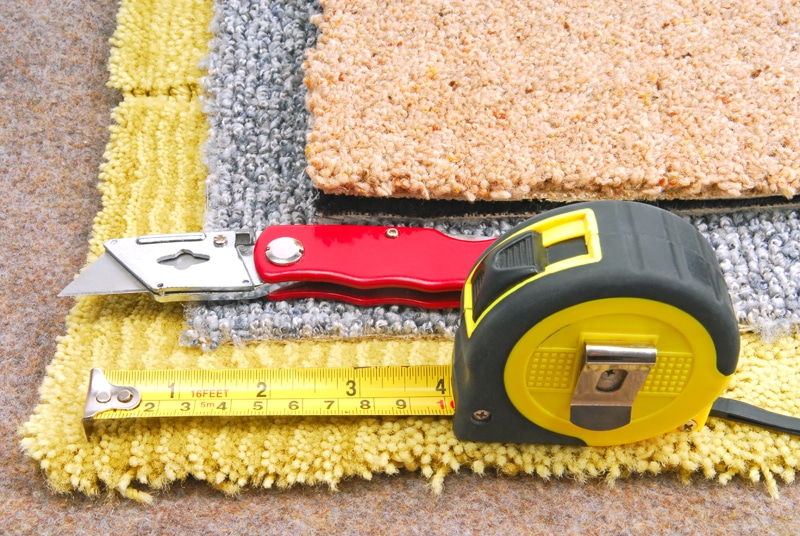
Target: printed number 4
440	386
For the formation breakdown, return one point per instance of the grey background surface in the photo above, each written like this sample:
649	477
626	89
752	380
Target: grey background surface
54	115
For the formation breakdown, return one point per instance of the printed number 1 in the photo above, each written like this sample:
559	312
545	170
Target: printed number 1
442	404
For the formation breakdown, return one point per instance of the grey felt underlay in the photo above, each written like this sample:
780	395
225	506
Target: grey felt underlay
256	161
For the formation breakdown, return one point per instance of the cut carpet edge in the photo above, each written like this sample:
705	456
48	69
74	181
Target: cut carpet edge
349	209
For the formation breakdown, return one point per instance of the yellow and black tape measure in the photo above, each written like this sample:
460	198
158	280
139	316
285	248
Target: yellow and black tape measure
598	323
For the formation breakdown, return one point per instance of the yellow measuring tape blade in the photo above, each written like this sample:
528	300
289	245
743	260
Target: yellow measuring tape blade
367	391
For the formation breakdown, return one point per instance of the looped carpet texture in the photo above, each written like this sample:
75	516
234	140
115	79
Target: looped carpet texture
153	182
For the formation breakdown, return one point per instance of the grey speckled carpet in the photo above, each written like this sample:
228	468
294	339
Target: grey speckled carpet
256	104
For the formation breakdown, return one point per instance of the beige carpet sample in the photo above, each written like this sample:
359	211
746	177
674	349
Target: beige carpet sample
519	99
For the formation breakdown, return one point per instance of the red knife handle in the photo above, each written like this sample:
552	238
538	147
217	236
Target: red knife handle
366	257
369	297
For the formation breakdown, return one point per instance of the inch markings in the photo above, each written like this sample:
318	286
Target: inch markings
365	391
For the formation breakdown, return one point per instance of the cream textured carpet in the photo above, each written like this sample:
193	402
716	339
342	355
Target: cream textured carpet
152	182
507	99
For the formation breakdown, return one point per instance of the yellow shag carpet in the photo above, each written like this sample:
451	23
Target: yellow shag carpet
153	182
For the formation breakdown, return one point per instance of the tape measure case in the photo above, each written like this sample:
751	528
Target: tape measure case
594	324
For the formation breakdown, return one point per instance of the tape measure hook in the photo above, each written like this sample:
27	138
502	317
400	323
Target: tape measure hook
104	396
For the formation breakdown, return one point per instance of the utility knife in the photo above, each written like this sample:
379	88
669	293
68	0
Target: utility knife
358	264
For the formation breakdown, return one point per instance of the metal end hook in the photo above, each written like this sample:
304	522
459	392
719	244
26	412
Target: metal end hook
104	396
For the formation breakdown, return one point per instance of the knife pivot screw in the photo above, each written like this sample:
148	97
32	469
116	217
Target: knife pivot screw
103	397
284	251
481	415
392	233
220	241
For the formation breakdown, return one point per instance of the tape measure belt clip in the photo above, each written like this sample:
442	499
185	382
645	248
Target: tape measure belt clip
647	277
611	376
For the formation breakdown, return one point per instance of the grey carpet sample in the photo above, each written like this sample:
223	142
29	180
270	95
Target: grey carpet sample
759	253
256	159
255	103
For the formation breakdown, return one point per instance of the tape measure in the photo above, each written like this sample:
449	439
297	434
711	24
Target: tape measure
363	391
594	324
600	323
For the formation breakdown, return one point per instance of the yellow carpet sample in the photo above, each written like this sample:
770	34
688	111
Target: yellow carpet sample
153	183
509	99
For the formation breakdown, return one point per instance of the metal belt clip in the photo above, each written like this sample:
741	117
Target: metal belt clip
610	379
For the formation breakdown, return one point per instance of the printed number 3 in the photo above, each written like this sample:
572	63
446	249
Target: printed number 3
351	388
